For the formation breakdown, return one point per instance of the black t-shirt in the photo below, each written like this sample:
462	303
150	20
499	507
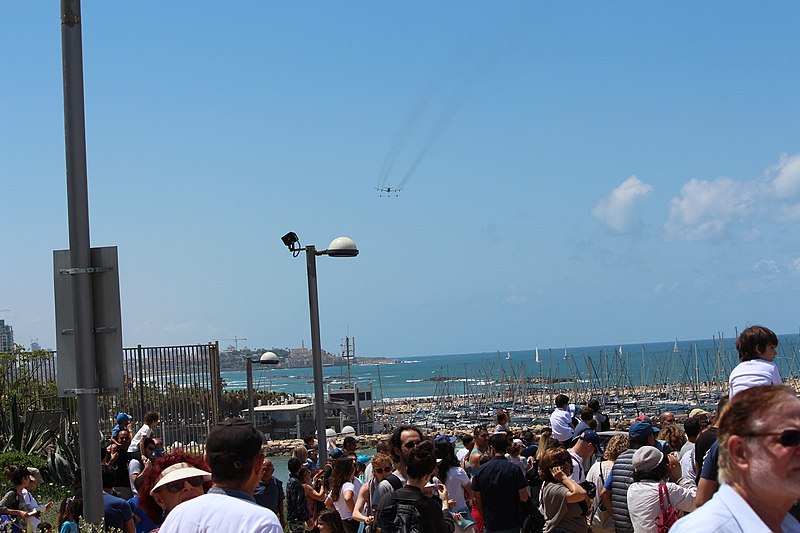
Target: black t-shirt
499	482
702	445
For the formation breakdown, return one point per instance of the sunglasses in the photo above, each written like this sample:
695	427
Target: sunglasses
178	484
411	444
382	470
788	437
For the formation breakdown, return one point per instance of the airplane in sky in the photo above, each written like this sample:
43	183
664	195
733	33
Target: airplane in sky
388	191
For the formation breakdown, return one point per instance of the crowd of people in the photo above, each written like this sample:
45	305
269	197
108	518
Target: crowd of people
735	470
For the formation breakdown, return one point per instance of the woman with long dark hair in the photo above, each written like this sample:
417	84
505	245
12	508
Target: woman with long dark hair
343	489
434	514
13	508
329	521
454	477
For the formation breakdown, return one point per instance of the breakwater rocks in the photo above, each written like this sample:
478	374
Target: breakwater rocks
285	447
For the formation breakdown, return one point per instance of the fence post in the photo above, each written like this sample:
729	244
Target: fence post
141	381
216	380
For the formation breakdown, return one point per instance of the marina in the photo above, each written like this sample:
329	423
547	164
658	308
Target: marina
454	392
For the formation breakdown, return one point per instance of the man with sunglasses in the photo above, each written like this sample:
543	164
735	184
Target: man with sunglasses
759	466
404	438
234	455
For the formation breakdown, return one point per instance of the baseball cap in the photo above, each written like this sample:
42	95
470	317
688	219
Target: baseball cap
694	412
177	472
446	438
592	437
639	431
232	441
122	417
35	475
647	458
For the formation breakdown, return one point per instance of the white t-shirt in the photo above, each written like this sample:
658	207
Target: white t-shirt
218	513
753	373
144	431
644	506
457	479
341	505
560	422
34	506
598	476
578	473
134	467
687	465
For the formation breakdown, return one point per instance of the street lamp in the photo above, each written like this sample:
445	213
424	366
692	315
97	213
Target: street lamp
339	247
267	358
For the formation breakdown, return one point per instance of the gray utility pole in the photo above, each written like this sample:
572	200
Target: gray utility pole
316	353
80	259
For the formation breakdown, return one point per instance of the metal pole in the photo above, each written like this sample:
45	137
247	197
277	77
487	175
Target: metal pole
250	390
79	248
316	352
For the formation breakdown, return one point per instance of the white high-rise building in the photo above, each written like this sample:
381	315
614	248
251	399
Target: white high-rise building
6	337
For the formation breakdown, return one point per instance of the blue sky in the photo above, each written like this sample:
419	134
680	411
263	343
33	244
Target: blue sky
577	173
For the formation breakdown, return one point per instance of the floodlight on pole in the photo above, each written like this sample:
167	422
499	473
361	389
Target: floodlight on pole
267	358
339	247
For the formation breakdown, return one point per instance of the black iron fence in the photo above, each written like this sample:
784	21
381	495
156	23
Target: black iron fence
181	383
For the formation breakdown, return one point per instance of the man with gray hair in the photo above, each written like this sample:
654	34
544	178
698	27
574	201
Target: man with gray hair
759	466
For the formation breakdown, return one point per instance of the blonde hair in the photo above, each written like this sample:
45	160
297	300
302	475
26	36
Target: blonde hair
615	447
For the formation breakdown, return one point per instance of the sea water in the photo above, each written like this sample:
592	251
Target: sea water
598	366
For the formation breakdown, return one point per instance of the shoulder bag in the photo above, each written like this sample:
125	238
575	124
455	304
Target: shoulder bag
668	514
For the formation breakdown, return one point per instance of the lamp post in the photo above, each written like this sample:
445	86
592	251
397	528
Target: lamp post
339	247
267	358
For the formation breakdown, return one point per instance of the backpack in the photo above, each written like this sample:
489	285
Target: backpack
401	513
668	514
394	481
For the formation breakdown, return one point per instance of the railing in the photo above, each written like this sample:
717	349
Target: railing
181	383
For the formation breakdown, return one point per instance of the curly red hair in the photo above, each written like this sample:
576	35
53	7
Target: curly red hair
150	478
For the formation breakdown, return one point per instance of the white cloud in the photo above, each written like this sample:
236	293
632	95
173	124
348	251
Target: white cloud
705	208
766	268
783	178
618	210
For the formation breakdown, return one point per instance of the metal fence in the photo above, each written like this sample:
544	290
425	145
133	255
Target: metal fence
181	383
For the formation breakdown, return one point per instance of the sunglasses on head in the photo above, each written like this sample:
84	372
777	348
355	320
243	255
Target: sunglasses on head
788	437
382	470
178	484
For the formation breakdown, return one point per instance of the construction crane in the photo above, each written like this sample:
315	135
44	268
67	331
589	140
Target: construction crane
235	340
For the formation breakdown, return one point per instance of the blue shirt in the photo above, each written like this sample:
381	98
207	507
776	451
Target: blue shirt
727	512
116	511
143	524
269	495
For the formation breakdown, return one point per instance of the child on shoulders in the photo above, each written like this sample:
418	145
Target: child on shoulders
757	350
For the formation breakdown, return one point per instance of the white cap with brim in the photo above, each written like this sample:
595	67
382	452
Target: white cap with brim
177	472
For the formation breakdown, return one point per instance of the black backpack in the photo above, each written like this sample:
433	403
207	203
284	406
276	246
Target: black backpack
401	513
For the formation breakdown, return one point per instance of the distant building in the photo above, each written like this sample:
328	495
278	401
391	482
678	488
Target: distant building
35	346
6	337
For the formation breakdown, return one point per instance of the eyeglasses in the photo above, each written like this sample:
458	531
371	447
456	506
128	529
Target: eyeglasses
788	437
178	484
382	470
